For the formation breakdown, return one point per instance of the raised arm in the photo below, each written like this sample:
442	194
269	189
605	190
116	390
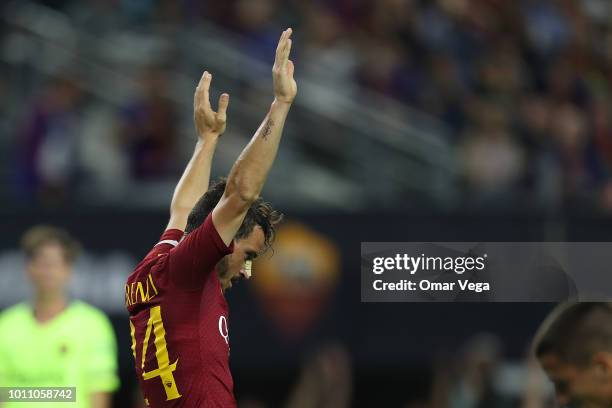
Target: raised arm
194	181
249	173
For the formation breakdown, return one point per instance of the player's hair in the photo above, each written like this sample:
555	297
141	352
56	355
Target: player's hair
574	332
38	236
259	213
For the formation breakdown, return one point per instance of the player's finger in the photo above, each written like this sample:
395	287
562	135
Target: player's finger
286	52
206	97
281	61
281	44
222	109
202	90
204	82
287	38
198	91
286	48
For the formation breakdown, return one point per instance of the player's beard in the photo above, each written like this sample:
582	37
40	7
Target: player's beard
224	273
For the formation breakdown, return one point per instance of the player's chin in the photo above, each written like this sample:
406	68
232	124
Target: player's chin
226	284
235	279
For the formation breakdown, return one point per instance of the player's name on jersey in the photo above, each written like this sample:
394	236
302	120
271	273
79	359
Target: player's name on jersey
139	292
429	286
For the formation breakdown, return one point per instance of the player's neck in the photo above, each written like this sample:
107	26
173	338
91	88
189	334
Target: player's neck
46	307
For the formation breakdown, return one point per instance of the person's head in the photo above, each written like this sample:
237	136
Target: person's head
479	360
574	347
50	253
253	238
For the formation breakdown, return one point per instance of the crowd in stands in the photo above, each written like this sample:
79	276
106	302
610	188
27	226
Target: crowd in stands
523	86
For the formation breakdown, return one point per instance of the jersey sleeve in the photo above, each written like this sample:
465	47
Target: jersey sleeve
196	255
169	240
101	356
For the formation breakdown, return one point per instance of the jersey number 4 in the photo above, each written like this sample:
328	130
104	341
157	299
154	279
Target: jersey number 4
164	368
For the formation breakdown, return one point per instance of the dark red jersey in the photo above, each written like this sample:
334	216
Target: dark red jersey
179	321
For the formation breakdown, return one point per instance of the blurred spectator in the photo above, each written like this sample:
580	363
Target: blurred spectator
526	62
48	141
51	341
253	18
327	58
389	69
602	128
493	162
326	380
149	130
478	375
547	28
469	382
579	162
446	91
537	392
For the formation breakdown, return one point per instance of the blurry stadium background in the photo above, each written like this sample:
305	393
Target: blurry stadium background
439	120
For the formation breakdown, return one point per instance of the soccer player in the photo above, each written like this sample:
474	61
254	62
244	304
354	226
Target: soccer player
574	347
53	341
175	296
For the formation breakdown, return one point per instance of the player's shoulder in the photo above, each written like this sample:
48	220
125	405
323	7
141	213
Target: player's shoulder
14	314
168	241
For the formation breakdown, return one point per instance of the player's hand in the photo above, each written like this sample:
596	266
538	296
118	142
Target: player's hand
208	123
285	87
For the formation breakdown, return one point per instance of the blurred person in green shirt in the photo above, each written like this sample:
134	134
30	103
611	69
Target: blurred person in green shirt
53	341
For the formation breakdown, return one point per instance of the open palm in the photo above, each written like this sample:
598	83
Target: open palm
207	121
285	87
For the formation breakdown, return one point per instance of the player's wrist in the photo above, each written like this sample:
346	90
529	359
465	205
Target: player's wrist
207	144
282	102
209	136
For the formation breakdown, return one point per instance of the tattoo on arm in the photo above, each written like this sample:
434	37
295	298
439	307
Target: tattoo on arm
267	129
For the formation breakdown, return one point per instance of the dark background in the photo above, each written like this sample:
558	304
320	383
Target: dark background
392	346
